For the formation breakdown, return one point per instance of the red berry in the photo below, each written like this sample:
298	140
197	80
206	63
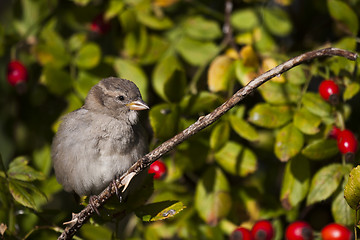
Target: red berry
346	142
329	91
16	73
241	234
100	25
334	133
335	231
299	230
158	168
262	230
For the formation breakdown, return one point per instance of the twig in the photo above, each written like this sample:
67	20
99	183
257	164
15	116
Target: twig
203	122
228	41
227	28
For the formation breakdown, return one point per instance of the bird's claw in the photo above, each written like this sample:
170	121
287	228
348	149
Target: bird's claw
92	204
73	220
118	194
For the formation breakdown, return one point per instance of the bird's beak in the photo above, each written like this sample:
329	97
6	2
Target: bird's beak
138	105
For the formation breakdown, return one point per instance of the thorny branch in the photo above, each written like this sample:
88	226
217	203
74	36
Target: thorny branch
203	122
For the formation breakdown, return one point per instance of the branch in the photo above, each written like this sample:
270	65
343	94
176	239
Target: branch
203	122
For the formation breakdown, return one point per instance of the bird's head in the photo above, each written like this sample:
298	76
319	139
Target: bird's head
116	97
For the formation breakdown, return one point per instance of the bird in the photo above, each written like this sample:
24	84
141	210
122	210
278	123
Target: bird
101	140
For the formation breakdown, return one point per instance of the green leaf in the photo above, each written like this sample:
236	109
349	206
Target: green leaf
244	74
277	21
219	135
316	105
76	41
200	28
347	43
128	20
56	80
236	159
296	75
130	44
352	189
289	141
156	48
196	52
143	41
31	13
88	56
265	115
51	50
94	232
25	173
190	150
307	122
159	210
324	183
53	56
204	102
51	186
21	195
114	8
19	161
131	71
244	19
85	82
295	183
164	120
25	193
344	14
351	90
42	159
341	211
243	128
20	170
153	22
212	198
169	80
280	93
320	149
264	42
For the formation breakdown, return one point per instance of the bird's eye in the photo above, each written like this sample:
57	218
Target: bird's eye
121	98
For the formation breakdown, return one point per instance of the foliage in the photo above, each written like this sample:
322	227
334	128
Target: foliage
268	158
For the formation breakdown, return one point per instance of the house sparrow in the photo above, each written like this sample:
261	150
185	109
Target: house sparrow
102	139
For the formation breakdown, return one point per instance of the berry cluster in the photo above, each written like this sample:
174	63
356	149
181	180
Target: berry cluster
262	230
346	140
299	230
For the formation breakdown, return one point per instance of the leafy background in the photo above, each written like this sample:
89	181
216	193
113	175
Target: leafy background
268	158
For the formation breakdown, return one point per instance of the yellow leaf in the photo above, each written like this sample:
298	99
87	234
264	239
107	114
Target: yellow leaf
231	53
249	56
219	73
